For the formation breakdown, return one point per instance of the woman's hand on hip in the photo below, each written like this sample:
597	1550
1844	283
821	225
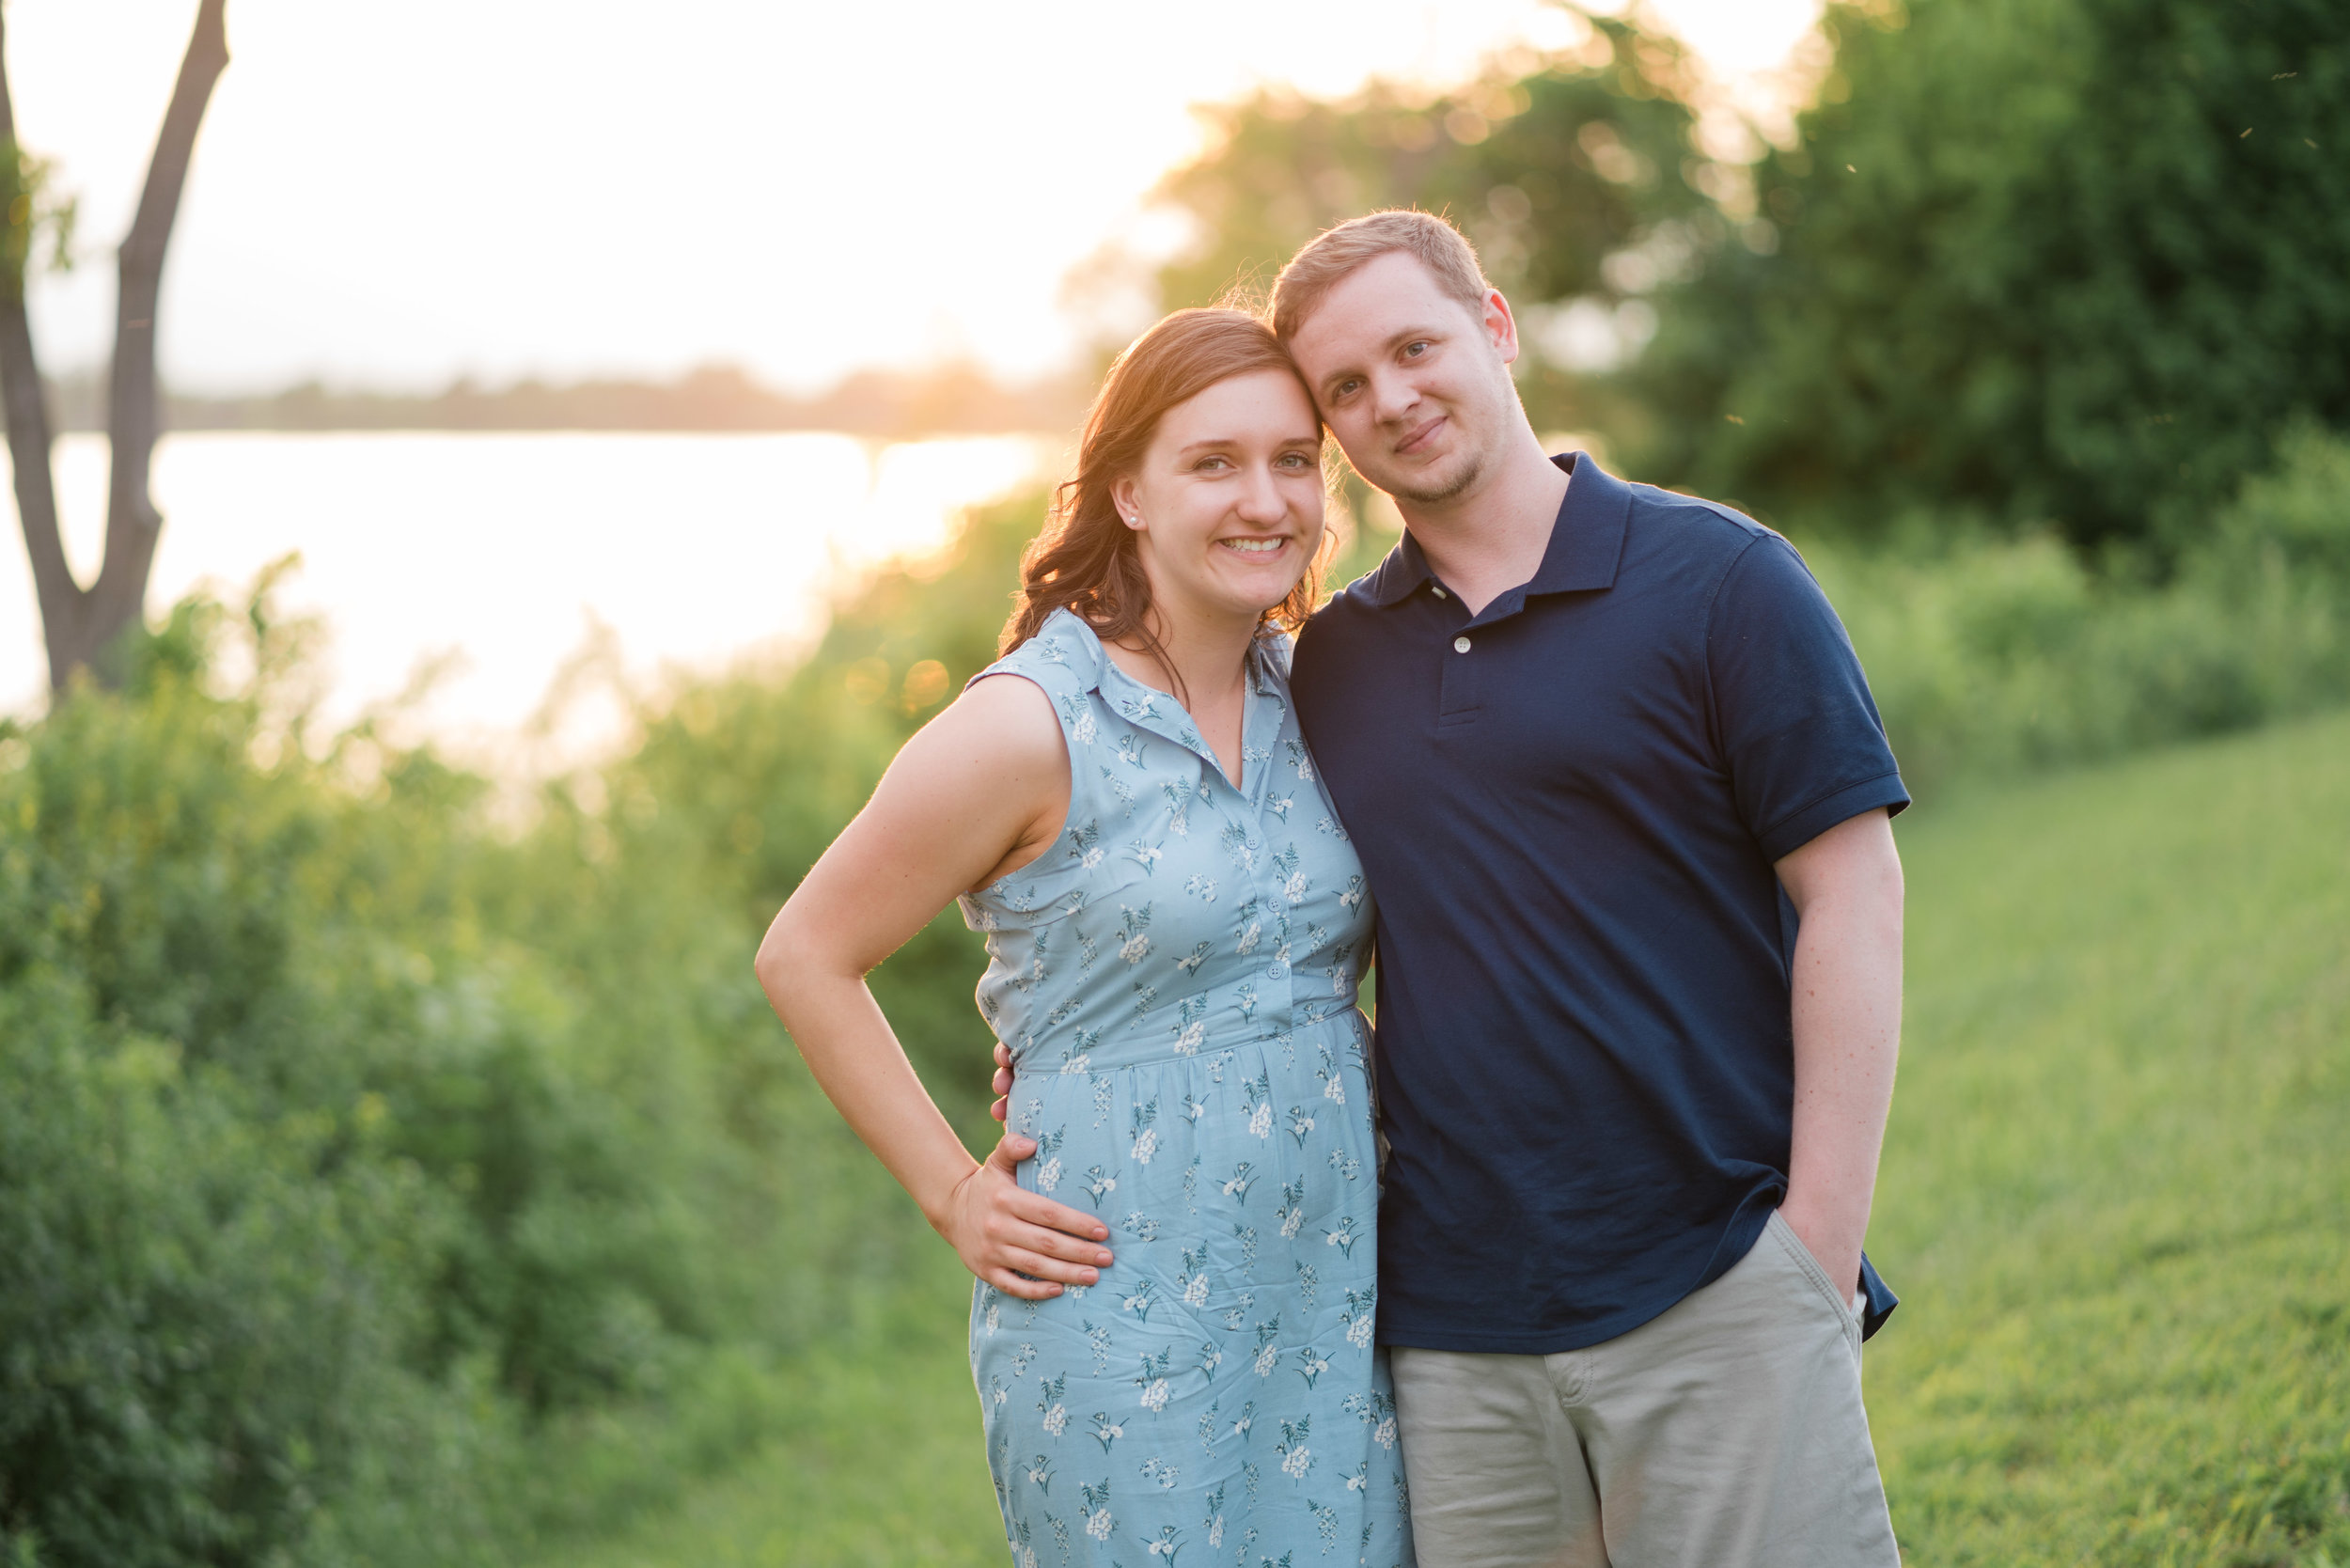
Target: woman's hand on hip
1021	1242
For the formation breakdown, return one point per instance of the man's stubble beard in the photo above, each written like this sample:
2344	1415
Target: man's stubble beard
1471	471
1473	465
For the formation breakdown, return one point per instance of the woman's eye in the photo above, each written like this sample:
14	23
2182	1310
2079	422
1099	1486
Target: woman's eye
1292	460
1213	463
1347	388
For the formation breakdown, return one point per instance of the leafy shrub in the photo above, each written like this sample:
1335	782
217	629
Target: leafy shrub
1993	655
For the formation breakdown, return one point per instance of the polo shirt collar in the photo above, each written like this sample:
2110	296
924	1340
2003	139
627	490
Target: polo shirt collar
1586	543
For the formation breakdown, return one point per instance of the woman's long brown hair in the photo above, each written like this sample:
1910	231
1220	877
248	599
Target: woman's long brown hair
1084	559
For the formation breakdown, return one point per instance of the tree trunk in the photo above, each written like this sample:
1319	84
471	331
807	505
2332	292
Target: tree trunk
28	408
85	626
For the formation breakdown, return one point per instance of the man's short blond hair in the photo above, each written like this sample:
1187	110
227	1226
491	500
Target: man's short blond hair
1314	271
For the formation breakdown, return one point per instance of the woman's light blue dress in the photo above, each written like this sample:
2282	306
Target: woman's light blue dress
1175	979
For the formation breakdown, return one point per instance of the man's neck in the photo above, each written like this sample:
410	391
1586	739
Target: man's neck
1491	538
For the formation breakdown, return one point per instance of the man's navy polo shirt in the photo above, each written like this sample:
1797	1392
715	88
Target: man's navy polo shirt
1569	806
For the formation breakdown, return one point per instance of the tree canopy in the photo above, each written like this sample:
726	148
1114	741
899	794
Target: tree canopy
2046	261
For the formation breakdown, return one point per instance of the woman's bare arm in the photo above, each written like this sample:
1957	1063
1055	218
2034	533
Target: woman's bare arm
980	791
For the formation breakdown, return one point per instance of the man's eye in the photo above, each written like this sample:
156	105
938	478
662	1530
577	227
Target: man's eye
1414	349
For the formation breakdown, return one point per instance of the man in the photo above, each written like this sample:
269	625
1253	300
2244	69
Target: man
1623	796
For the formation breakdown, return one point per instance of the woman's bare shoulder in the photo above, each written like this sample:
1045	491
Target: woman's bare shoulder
1000	734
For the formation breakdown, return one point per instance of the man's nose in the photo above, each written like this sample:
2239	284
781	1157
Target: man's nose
1393	396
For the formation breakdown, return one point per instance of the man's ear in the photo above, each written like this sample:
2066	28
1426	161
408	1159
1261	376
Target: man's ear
1501	326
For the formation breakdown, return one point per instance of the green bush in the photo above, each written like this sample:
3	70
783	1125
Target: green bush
1992	655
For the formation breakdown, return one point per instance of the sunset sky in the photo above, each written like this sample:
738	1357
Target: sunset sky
394	195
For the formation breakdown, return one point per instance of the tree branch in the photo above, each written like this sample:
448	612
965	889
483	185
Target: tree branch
132	414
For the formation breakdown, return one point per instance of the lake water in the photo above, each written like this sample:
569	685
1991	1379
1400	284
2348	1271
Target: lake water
510	550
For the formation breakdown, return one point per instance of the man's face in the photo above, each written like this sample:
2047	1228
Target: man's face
1414	384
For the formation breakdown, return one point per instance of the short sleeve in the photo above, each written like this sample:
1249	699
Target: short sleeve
1798	731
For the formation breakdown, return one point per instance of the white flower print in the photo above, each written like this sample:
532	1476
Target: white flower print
1325	1521
1202	887
1153	1382
1147	855
1140	1226
1301	1124
1343	1238
1251	932
1198	955
1168	1476
1178	807
1133	943
1048	1159
1098	1340
1297	1458
1238	845
1291	1213
1191	1026
1119	788
1099	1521
1293	880
1300	763
1236	1185
1194	1108
1049	1404
1107	1432
1145	1136
1194	1279
1040	1474
1100	1183
1311	1364
1268	1354
1144	1298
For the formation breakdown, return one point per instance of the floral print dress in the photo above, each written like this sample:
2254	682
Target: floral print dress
1176	980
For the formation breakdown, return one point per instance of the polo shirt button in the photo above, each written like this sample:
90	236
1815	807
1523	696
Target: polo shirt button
1438	591
1460	645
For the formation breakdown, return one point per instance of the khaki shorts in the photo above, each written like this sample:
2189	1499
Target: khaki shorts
1726	1432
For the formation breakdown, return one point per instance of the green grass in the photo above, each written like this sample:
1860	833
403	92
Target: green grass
2116	1197
879	1464
2117	1185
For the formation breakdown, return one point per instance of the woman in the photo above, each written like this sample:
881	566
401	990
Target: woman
1175	929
